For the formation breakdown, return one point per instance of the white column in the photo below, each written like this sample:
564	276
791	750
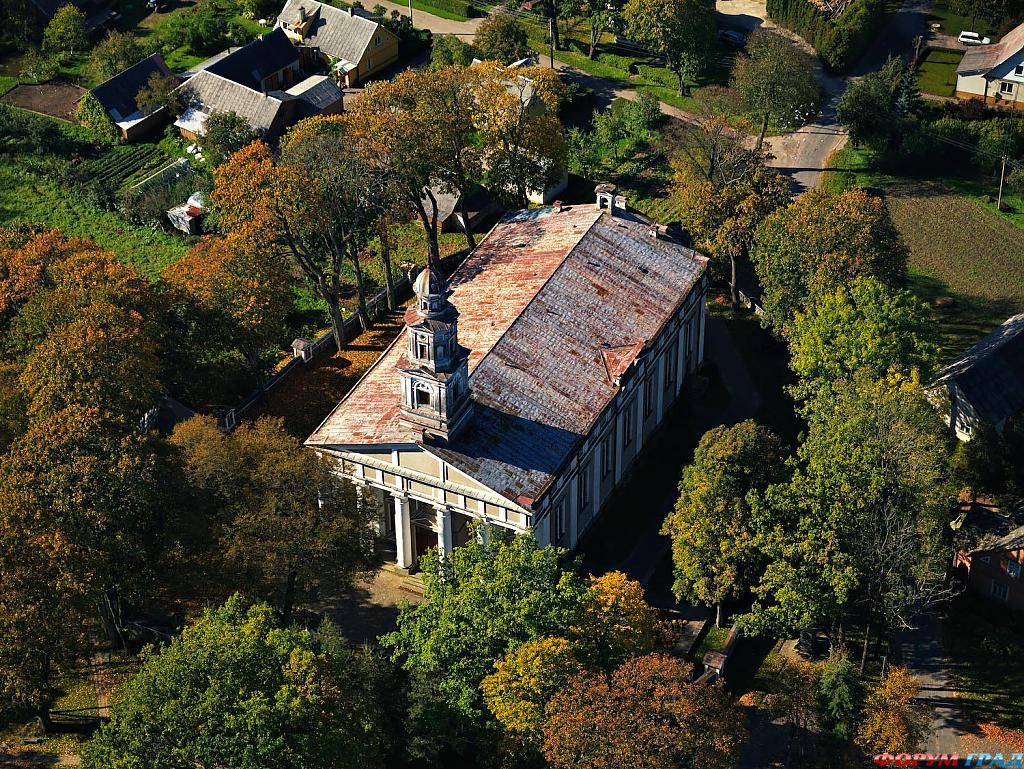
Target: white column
403	532
444	531
483	531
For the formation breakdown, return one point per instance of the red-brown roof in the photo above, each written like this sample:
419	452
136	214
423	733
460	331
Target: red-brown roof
553	306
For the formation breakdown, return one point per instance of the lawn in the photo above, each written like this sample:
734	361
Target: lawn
960	247
953	24
936	74
984	646
427	7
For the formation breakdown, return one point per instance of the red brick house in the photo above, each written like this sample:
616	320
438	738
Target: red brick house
993	561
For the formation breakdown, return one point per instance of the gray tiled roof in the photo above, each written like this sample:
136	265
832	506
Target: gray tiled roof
982	58
317	93
334	31
542	300
251	64
212	93
991	374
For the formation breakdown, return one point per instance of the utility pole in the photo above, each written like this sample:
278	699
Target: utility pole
410	11
551	38
1002	175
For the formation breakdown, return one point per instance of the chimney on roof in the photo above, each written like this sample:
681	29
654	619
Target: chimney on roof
351	10
558	206
302	13
606	197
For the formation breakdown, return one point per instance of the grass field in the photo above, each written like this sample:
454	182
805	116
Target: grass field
936	74
959	247
983	646
953	23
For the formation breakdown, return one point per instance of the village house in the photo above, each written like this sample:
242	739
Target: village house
994	73
117	97
991	565
353	43
522	390
985	384
263	82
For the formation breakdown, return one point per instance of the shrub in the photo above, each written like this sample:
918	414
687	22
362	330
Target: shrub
93	116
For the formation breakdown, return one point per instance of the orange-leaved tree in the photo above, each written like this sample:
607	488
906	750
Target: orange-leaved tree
617	622
646	714
893	719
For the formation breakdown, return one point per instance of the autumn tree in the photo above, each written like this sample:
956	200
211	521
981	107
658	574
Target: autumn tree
78	532
318	205
712	528
894	721
776	80
240	294
646	714
224	133
682	31
519	129
257	480
858	530
235	691
524	681
65	33
792	700
502	38
618	622
116	52
722	217
99	360
13	404
864	326
820	242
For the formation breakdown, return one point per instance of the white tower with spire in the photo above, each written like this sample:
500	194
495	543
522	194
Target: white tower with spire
435	369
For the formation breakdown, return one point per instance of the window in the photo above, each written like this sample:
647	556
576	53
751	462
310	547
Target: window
1013	569
1020	70
670	366
606	456
376	41
422	395
369	64
1005	88
560	520
627	424
422	348
584	491
649	392
999	591
985	558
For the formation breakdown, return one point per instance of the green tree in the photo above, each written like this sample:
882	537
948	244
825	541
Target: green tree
234	691
713	534
820	242
776	80
224	134
449	51
680	30
113	54
647	714
980	463
159	92
258	479
65	32
878	109
502	38
858	530
481	602
38	67
840	695
95	117
866	325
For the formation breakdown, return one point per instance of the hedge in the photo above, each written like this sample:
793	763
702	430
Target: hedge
94	116
840	42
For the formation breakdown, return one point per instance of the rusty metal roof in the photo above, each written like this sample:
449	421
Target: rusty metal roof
553	307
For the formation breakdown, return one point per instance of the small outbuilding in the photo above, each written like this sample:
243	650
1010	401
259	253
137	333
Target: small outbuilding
117	96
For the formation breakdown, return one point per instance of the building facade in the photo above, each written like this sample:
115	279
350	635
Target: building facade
522	391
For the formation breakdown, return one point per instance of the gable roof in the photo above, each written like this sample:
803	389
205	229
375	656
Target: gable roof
982	58
546	302
251	64
991	374
207	92
336	32
117	95
316	93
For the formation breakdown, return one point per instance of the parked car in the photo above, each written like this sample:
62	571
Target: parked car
973	38
732	37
